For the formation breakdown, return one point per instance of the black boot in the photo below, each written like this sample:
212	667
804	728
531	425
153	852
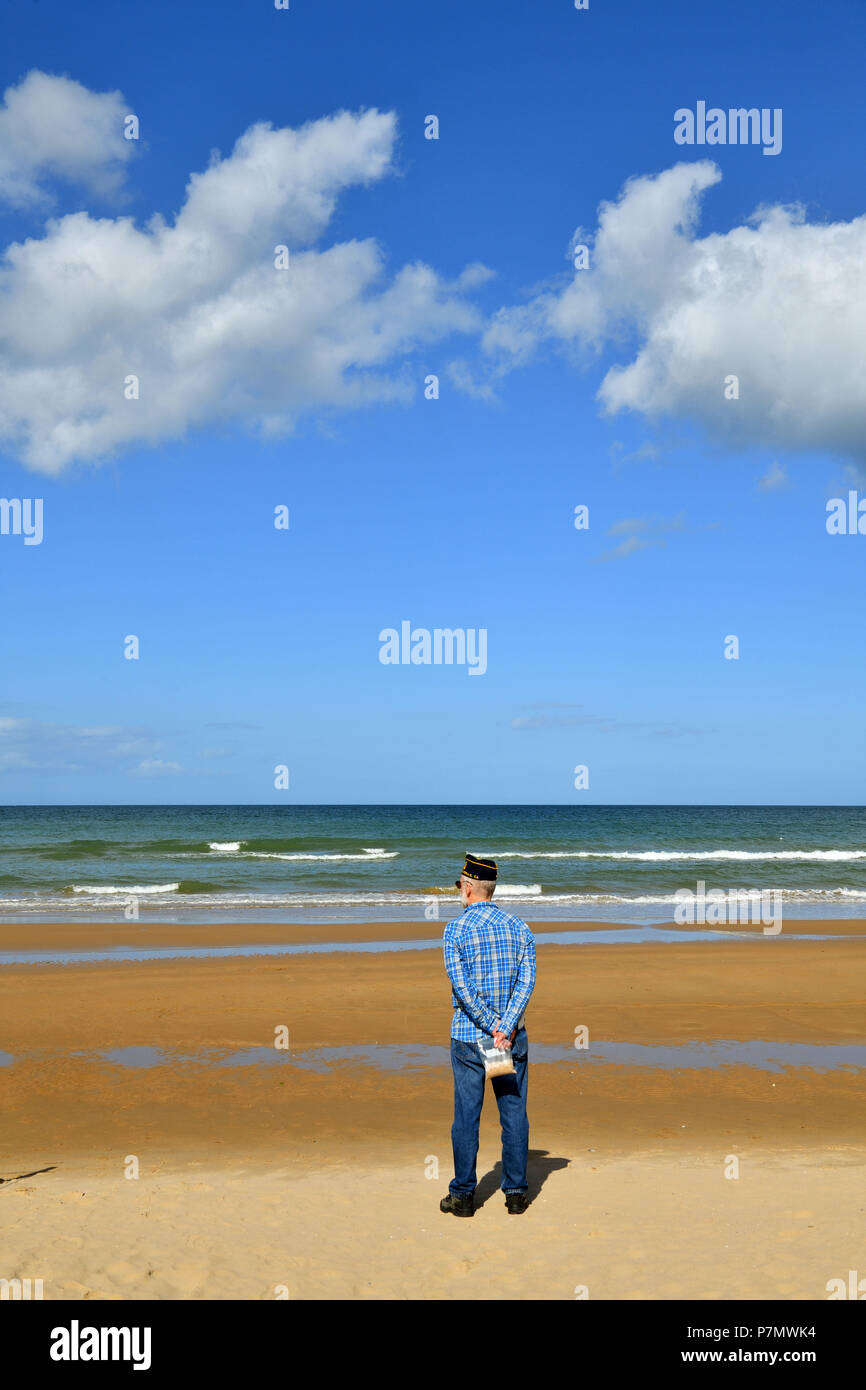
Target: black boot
516	1202
458	1206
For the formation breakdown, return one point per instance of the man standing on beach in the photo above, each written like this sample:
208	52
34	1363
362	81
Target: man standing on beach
490	960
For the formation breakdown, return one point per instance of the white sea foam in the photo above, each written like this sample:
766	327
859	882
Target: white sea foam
530	894
367	856
518	890
121	892
664	855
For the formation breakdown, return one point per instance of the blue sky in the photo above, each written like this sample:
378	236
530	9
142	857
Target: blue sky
558	387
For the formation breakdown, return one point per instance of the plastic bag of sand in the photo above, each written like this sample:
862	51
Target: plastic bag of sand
497	1060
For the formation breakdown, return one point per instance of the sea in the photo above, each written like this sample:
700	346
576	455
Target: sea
342	864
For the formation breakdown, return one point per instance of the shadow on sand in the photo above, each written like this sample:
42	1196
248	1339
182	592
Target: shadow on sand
17	1177
539	1168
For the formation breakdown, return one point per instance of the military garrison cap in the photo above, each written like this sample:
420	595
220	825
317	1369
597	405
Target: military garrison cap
483	869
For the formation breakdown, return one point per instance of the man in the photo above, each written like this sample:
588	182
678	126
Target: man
490	960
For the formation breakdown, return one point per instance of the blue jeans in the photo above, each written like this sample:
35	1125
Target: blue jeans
510	1091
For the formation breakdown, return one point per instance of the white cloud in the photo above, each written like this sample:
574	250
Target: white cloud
197	311
461	374
773	479
640	532
604	724
53	127
647	450
628	523
628	547
779	302
155	767
40	745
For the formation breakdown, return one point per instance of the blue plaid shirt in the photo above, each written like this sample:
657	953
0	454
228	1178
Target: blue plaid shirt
490	960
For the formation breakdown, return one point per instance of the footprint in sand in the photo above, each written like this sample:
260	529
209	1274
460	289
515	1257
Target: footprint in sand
124	1272
186	1278
72	1289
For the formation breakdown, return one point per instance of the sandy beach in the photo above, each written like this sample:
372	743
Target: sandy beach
266	1178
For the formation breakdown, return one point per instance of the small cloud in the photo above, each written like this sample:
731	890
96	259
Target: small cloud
639	455
604	723
52	127
54	747
481	384
552	704
474	276
545	721
462	377
278	425
627	547
773	479
15	761
643	531
155	767
230	724
560	721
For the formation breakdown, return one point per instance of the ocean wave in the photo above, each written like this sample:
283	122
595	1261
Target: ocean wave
367	856
793	895
518	890
652	856
205	894
256	844
116	891
285	848
76	849
503	890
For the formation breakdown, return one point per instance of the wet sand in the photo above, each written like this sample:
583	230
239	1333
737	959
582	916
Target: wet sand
74	935
255	1177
